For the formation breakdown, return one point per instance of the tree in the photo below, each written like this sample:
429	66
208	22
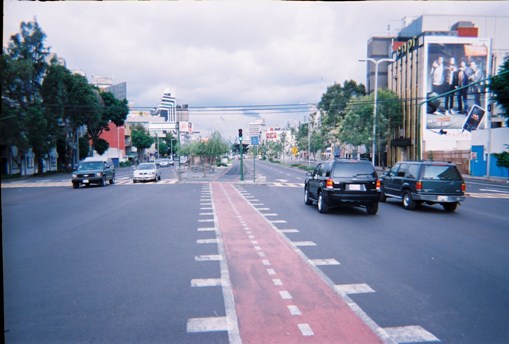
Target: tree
141	140
107	109
55	97
500	87
335	99
357	126
23	68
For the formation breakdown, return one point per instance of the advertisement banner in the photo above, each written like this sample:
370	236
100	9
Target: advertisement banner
474	118
454	67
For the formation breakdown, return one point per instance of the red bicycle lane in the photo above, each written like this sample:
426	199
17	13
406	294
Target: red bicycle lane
279	298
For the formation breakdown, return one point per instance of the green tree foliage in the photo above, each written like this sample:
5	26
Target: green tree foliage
103	110
500	87
335	100
357	126
141	140
84	148
23	67
208	150
101	146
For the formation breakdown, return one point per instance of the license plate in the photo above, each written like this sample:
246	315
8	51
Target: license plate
85	181
355	187
442	198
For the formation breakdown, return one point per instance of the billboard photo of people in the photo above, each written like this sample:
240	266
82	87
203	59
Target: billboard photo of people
455	67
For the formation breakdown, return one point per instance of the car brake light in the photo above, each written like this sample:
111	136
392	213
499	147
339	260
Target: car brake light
418	186
329	184
378	185
463	187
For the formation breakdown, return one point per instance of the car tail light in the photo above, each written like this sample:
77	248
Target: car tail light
463	187
329	184
378	185
418	186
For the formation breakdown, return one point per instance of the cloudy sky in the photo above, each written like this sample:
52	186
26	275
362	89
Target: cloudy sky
224	53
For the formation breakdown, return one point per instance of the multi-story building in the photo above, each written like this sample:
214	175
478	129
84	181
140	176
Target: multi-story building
430	52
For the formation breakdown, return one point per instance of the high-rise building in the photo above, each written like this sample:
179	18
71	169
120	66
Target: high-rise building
167	107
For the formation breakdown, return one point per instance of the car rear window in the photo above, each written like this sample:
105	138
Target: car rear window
353	169
442	172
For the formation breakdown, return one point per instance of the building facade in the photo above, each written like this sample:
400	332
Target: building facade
440	62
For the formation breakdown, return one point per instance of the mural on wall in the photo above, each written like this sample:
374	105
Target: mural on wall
454	70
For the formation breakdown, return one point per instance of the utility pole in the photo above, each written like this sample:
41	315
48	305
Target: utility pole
241	149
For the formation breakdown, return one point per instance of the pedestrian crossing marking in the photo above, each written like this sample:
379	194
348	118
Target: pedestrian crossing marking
487	195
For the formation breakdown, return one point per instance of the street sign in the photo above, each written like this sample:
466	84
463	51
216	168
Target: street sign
254	140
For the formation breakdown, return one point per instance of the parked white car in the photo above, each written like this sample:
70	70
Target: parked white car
146	171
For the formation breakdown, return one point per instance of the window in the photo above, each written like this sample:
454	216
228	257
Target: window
402	170
441	172
413	171
347	170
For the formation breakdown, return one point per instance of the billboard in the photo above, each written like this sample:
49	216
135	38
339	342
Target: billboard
453	68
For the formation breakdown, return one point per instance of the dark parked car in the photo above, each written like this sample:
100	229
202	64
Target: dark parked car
430	182
94	170
343	182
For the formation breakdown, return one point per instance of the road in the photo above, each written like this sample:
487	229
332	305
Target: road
174	262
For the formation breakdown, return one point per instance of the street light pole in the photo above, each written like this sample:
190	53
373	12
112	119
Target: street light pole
376	62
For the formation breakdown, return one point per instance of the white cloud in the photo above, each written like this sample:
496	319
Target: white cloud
223	53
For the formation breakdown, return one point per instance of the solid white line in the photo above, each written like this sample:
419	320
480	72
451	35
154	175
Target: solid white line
306	330
318	262
353	288
208	324
410	334
278	221
229	301
289	230
269	214
294	310
207	229
304	243
260	209
206	220
207	241
204	214
207	258
277	282
206	282
285	295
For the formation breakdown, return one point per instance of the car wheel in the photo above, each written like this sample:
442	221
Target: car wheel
75	185
408	201
159	177
322	205
382	197
449	207
372	208
102	182
112	180
307	200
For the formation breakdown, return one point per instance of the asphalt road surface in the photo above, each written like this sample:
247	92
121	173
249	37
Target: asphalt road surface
223	261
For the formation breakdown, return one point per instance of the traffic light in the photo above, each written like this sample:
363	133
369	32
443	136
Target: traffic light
240	134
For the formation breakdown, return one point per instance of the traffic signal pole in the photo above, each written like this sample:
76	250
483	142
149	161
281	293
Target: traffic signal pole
241	149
